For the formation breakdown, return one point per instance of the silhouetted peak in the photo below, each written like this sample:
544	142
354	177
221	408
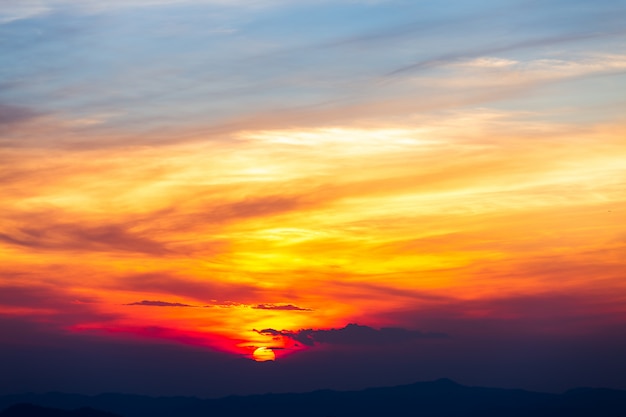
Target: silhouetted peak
31	410
445	381
441	383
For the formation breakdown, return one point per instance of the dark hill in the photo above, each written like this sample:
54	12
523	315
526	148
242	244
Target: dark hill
441	398
30	410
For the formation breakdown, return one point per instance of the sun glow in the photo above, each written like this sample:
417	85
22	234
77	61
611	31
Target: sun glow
263	354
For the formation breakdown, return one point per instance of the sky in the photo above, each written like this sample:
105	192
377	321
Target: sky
219	197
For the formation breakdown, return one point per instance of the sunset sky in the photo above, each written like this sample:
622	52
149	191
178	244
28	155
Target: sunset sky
370	192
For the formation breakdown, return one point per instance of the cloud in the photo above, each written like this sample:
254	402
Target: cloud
53	305
84	238
453	57
265	306
355	290
224	304
35	296
287	307
14	10
253	207
353	334
210	288
174	335
10	114
556	313
158	304
509	76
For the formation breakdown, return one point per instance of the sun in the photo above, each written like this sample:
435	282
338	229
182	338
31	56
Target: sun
263	354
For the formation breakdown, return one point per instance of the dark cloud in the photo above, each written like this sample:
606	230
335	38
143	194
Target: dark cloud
36	296
249	208
212	214
53	305
158	304
366	290
272	332
40	296
216	292
160	333
354	334
84	238
224	304
10	115
289	307
559	313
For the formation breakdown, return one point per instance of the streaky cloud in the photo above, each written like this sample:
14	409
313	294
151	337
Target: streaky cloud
452	57
285	307
219	293
10	114
83	238
158	304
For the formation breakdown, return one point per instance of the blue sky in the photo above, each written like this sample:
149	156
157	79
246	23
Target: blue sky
142	64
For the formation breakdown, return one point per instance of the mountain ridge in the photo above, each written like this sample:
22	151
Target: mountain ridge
440	398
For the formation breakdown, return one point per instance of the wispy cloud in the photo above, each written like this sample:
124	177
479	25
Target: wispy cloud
18	10
10	115
58	307
501	49
280	307
82	238
197	289
157	304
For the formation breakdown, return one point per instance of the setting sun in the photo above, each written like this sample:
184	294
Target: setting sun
263	354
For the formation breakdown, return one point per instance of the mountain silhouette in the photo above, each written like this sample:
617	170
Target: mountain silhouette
440	398
31	410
